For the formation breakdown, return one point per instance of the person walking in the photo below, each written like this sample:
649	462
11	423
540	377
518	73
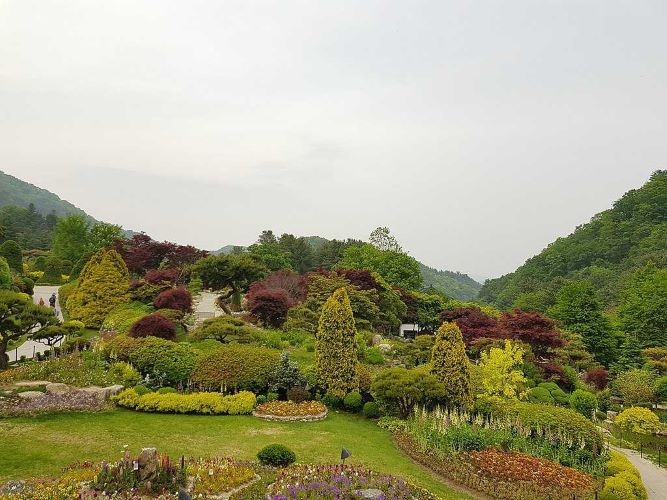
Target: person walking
52	300
41	301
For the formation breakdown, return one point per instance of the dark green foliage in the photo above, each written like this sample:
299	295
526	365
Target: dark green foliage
54	268
540	395
353	401
559	396
643	308
583	402
286	376
451	366
224	329
399	390
397	268
141	390
371	410
452	284
276	455
5	274
624	237
11	251
26	226
164	361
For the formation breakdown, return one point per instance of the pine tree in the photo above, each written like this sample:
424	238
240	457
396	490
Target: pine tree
103	284
451	365
336	352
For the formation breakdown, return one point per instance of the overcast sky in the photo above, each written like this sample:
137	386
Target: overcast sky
478	131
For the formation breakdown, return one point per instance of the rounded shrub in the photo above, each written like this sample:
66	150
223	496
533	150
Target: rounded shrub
617	488
540	395
125	373
167	390
276	455
353	401
374	356
167	362
174	298
153	325
639	420
261	399
583	402
332	400
371	410
141	390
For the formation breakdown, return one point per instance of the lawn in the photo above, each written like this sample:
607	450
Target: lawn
43	445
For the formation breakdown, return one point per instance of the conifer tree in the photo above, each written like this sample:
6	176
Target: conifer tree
103	284
11	251
336	352
451	365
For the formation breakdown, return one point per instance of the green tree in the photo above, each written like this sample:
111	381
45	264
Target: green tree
397	268
579	310
272	255
643	308
500	372
103	284
20	317
11	251
583	402
382	239
635	386
5	274
336	349
70	237
451	365
400	390
102	235
300	251
54	268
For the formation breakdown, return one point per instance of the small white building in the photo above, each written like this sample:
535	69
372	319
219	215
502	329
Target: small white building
408	330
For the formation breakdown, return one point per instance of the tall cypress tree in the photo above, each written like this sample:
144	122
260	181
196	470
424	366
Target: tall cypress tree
336	352
103	284
451	365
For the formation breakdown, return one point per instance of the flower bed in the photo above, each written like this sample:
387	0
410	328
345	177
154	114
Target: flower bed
211	476
51	402
340	481
204	403
289	411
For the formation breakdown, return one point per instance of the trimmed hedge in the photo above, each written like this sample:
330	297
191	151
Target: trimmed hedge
276	455
236	366
204	403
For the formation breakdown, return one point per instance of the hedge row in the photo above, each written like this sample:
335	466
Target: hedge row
205	403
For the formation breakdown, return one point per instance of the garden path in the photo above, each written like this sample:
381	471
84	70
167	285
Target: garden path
654	477
205	306
30	348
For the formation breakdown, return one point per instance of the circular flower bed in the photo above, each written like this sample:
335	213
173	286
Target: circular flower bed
341	481
289	411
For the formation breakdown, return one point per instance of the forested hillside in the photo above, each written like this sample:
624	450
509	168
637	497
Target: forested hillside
16	192
609	252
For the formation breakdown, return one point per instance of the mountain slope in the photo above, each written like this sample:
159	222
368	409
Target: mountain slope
602	251
14	191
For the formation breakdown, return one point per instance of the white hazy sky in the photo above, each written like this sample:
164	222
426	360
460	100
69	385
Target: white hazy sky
478	131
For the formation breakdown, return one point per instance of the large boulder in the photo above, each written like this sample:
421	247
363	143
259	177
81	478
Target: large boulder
57	388
112	390
148	463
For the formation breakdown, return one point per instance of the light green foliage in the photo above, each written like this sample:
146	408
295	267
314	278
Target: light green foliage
122	317
336	351
643	308
102	286
70	237
272	255
579	310
353	401
400	389
5	274
617	488
500	372
540	395
451	366
635	386
11	251
165	362
224	329
583	402
559	396
656	359
638	420
126	373
396	267
204	403
102	235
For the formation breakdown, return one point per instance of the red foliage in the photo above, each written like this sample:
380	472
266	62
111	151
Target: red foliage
142	253
174	298
555	373
153	325
598	378
293	283
183	255
267	305
473	323
361	278
531	328
411	303
156	276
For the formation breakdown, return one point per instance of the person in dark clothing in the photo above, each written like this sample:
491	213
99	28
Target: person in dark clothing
52	300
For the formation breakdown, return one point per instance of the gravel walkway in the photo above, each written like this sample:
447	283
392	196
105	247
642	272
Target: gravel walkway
654	477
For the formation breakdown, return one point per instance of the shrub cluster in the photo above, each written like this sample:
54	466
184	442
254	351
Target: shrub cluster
121	318
205	403
291	409
153	325
276	455
174	298
623	481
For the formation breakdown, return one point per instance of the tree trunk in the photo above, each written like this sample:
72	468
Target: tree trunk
4	357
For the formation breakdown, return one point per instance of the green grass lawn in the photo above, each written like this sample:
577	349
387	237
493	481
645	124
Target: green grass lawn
43	445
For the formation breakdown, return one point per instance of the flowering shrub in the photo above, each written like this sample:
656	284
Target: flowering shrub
340	481
67	486
207	403
215	475
69	401
291	409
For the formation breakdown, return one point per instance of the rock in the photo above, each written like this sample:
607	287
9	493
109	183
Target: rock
12	487
611	415
32	383
112	390
148	462
372	494
55	388
384	347
377	339
30	394
100	392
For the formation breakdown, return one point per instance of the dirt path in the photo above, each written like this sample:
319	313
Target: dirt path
654	477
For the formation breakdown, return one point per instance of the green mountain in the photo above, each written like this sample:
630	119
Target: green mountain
604	251
16	192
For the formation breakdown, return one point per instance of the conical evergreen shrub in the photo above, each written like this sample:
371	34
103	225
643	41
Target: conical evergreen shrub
451	365
336	350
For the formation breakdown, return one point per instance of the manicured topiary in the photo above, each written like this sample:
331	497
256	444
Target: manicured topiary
11	251
336	350
167	390
103	285
276	455
353	401
174	298
540	395
371	410
583	402
168	362
153	325
451	366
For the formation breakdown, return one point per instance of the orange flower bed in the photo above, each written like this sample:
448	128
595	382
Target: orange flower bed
520	467
289	410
